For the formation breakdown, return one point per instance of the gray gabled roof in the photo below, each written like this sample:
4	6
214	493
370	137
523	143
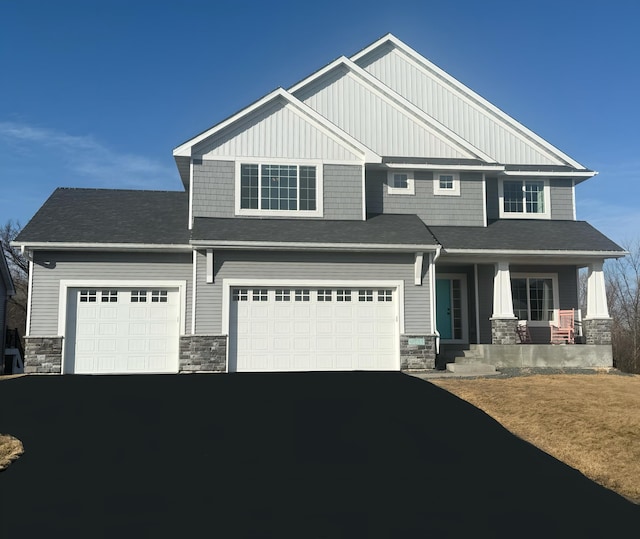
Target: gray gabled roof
525	235
386	229
110	216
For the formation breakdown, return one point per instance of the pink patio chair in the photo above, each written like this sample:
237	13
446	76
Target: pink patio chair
564	332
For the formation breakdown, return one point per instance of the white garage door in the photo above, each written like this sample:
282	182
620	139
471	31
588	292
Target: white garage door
122	331
310	329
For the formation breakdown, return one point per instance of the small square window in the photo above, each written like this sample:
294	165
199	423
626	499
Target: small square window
138	296
240	294
343	295
324	295
109	296
260	294
88	296
446	183
385	295
302	294
159	296
400	183
365	295
283	295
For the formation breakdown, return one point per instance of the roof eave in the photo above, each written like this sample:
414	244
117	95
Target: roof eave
98	246
306	246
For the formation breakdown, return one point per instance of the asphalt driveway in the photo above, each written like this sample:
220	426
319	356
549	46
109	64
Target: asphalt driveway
280	455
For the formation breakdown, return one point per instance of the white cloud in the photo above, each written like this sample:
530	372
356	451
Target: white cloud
84	161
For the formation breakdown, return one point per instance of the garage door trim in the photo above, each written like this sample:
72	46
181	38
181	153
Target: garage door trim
68	284
229	284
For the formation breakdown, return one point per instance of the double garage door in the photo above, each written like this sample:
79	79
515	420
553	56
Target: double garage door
310	329
122	330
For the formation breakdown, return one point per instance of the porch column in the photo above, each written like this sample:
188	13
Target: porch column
596	325
503	321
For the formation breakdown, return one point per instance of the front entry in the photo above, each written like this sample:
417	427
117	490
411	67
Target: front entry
451	307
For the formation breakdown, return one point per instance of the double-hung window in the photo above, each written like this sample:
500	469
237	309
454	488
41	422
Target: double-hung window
524	198
535	297
278	189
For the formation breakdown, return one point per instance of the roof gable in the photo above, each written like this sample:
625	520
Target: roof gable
453	104
378	116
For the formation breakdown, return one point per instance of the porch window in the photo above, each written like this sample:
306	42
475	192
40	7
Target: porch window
521	198
534	298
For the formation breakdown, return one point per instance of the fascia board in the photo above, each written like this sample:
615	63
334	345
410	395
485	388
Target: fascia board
541	173
72	246
537	253
397	101
471	168
474	99
306	246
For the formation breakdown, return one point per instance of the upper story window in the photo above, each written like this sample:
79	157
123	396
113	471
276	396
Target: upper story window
524	198
400	183
446	183
278	189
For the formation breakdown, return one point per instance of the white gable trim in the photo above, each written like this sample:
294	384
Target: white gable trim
303	110
472	98
399	102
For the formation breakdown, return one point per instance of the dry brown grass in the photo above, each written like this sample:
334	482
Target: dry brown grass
590	422
10	449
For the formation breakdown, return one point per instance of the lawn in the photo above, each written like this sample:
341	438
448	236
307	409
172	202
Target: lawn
591	421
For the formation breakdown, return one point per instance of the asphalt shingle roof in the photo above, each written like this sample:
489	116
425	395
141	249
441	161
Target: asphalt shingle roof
377	229
534	234
110	216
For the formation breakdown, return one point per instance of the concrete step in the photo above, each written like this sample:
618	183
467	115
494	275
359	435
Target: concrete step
471	368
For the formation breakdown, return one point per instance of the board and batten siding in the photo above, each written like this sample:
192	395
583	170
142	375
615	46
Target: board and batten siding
50	268
214	190
463	210
468	117
277	129
313	267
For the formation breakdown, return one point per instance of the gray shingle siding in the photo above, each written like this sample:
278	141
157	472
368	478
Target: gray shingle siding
466	209
213	188
342	191
50	267
561	198
310	266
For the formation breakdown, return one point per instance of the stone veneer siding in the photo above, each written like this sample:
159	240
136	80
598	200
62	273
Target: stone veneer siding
203	353
597	330
503	330
417	357
43	355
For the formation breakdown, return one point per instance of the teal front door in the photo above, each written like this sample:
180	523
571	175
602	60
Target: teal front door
443	308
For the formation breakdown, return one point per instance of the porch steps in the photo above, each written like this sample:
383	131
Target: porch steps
469	361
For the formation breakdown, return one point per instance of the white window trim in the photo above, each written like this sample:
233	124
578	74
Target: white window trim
409	190
318	212
556	296
439	191
524	215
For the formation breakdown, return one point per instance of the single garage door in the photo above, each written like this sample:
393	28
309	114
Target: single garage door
122	331
310	329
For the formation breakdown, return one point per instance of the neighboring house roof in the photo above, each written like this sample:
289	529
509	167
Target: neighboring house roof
522	236
109	216
402	232
5	277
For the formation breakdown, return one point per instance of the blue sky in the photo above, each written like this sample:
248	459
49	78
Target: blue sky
98	93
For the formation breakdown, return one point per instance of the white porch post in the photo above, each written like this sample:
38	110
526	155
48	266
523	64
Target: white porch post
502	299
596	292
503	321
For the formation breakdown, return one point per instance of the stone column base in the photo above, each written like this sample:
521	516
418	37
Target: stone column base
503	330
203	353
43	355
417	352
597	330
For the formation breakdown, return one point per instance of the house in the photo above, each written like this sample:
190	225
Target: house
370	217
7	290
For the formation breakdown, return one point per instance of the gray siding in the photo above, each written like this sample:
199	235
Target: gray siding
313	266
50	267
560	192
561	198
466	209
342	192
213	188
